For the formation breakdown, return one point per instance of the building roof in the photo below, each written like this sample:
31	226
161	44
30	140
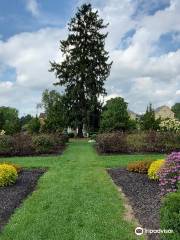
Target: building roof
161	107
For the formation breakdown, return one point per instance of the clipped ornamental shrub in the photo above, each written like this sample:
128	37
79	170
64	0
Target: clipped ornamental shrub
169	175
8	174
155	168
139	166
170	216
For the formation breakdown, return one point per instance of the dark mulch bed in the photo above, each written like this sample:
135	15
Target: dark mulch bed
12	196
143	194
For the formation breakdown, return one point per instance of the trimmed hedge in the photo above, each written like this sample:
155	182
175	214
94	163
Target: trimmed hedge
141	142
24	144
170	216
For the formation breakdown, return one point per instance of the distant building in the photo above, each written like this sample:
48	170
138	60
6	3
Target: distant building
42	117
164	112
132	115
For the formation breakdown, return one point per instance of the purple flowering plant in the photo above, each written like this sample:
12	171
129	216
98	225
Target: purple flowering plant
169	175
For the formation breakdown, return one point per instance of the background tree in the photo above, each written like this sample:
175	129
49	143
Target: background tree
9	120
34	125
85	67
115	115
176	109
24	120
55	111
148	120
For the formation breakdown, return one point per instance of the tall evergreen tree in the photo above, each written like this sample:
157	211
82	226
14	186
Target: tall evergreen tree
85	67
148	121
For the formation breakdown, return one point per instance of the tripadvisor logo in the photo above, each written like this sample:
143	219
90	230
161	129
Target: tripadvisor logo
139	231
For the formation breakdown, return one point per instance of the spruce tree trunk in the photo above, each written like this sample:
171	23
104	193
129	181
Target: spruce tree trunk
80	131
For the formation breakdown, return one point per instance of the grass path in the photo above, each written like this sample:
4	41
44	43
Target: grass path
74	200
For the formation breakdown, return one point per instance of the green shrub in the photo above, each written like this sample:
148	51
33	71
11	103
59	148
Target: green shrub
93	135
24	144
112	142
43	143
34	126
170	215
144	142
5	144
8	174
71	135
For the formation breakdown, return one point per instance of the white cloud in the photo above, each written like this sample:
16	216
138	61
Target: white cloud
29	54
32	7
138	74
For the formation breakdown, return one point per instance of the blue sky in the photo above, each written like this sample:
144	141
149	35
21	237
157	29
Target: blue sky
17	17
143	42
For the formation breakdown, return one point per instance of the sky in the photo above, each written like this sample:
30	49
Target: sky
143	43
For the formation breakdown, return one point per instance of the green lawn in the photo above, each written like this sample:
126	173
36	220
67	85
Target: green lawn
74	200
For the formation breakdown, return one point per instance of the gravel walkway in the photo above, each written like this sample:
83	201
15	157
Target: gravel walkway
12	196
144	197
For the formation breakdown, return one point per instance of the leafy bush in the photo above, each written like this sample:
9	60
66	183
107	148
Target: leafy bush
43	143
143	142
2	132
34	125
112	142
170	125
71	135
47	143
24	144
93	135
155	168
170	174
170	216
5	144
8	175
136	142
139	166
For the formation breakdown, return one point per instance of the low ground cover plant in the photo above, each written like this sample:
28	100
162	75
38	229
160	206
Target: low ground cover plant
138	142
8	174
24	144
170	215
139	166
155	168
